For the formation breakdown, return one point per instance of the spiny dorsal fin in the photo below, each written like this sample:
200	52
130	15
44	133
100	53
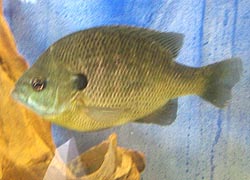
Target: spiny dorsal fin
171	41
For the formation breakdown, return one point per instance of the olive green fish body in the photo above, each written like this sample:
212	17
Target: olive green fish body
126	72
107	76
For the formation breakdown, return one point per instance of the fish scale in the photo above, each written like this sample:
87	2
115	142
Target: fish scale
100	93
129	74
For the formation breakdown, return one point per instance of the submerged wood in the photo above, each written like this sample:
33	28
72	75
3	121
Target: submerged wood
105	161
26	146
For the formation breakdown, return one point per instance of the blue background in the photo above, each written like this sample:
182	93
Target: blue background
204	142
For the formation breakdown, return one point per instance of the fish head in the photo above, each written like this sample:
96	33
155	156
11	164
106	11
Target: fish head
48	89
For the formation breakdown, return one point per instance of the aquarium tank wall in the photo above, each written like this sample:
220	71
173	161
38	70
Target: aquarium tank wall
204	142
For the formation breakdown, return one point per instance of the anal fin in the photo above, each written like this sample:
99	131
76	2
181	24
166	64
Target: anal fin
163	116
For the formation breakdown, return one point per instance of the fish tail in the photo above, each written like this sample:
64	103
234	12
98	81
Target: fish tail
220	79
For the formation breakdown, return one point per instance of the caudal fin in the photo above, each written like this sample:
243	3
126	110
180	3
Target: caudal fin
221	77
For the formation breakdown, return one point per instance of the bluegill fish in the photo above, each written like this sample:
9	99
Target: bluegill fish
107	76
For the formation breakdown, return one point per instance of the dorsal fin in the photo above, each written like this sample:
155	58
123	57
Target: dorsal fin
169	40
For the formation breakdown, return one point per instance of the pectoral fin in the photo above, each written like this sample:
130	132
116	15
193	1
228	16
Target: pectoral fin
163	116
103	113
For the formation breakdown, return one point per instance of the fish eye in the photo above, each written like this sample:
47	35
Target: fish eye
38	84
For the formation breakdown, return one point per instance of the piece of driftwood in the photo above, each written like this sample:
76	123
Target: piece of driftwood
105	161
26	146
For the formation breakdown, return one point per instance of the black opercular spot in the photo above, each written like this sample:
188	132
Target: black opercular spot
81	81
38	84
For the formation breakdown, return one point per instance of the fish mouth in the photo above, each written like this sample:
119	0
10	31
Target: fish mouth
46	112
14	95
21	98
17	96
